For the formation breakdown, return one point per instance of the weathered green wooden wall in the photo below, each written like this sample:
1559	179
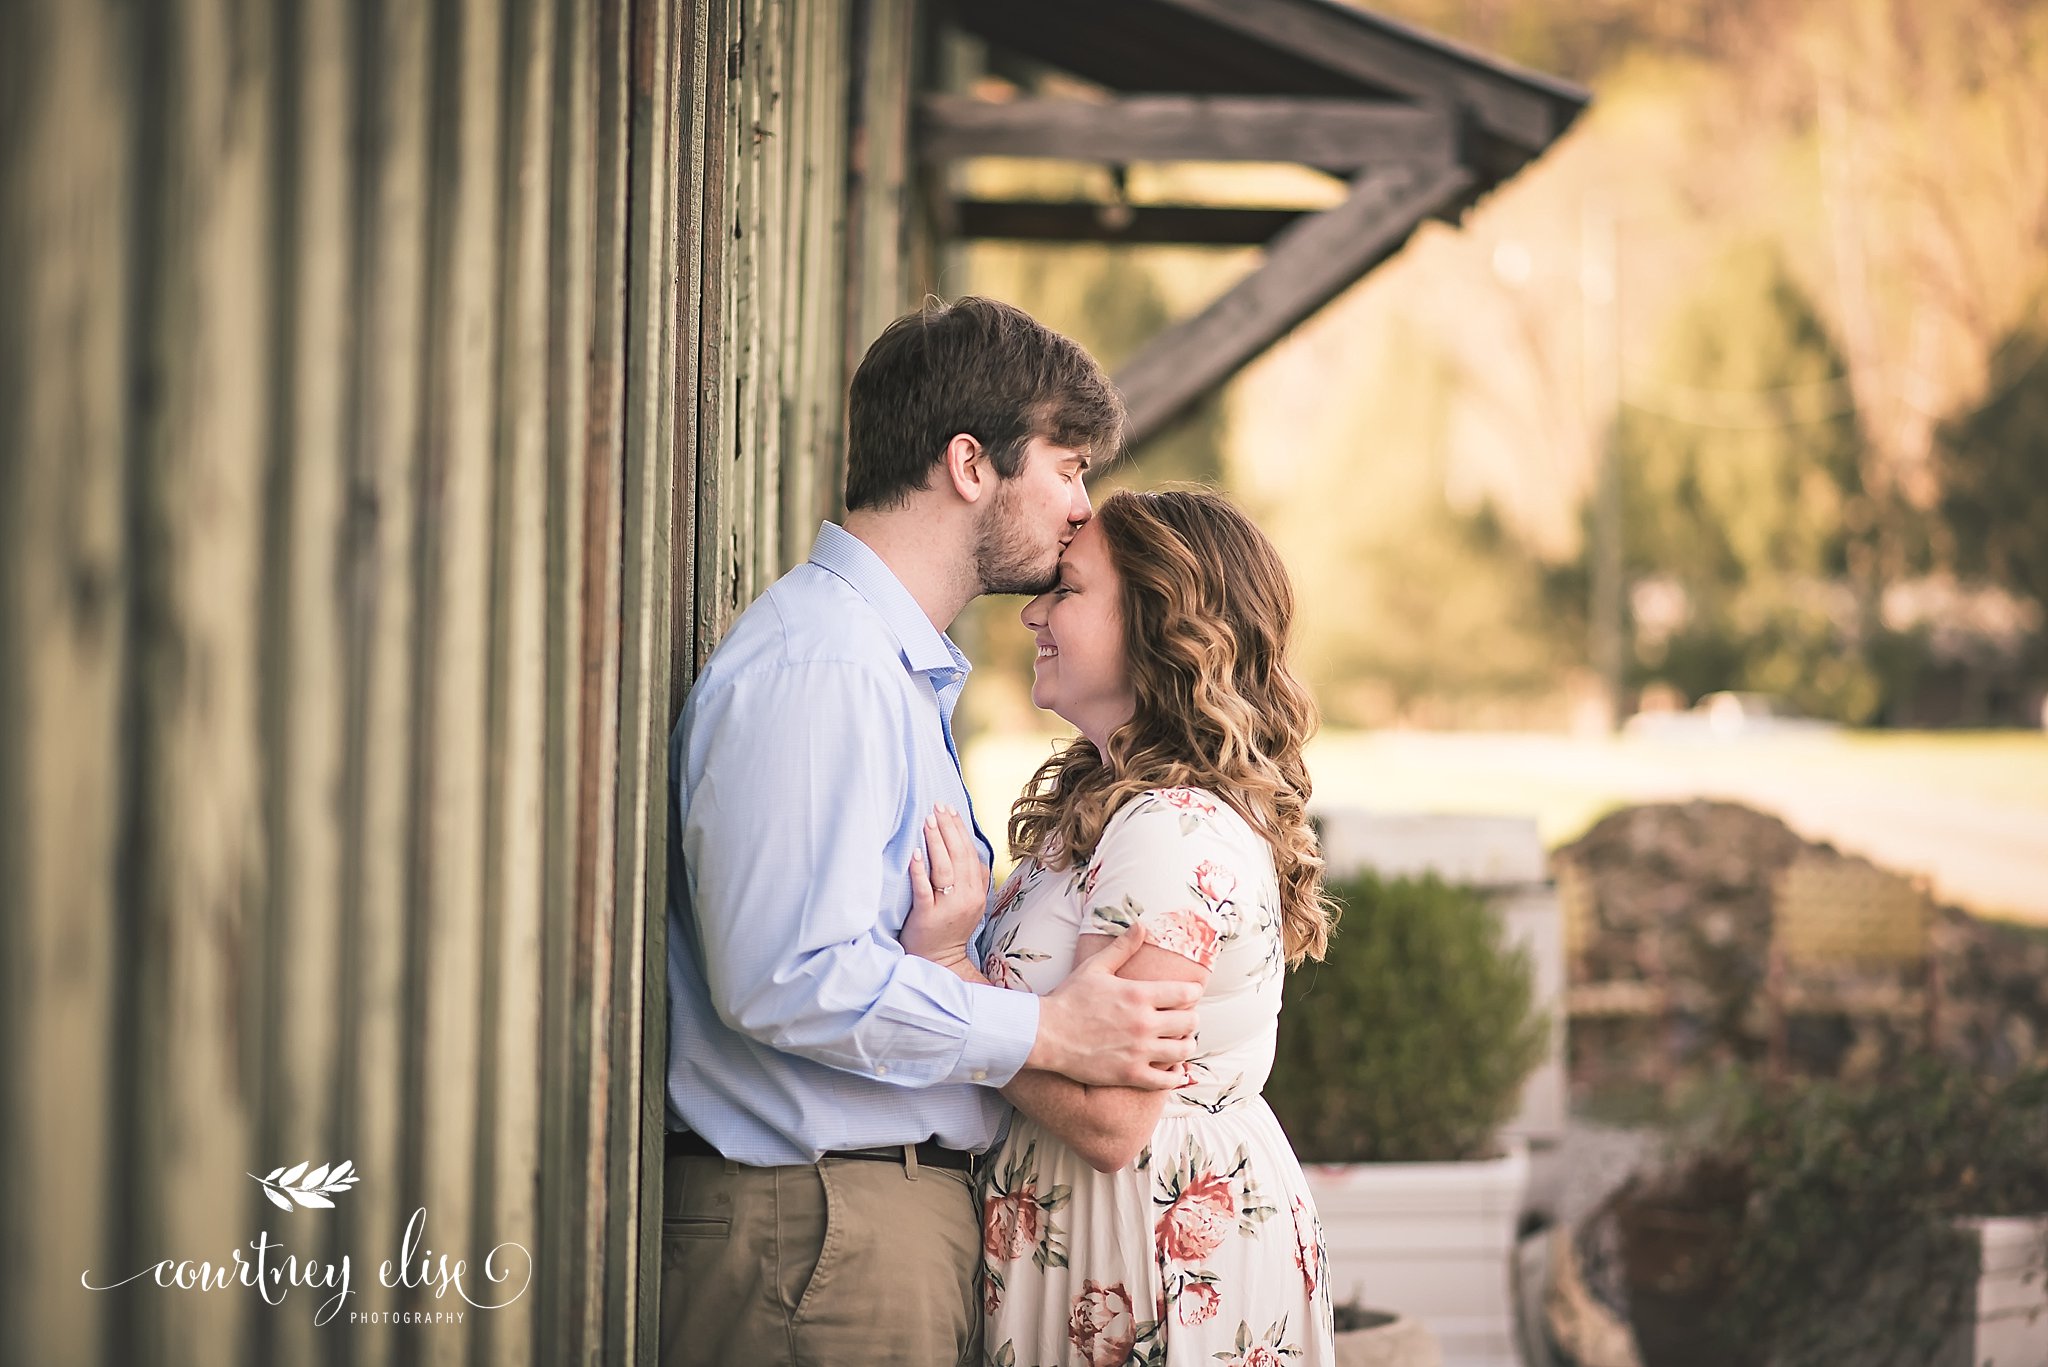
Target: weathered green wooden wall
397	401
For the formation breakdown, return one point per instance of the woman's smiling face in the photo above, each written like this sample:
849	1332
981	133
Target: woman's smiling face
1082	673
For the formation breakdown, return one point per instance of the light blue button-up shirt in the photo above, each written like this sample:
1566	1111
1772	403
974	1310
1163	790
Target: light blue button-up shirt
813	746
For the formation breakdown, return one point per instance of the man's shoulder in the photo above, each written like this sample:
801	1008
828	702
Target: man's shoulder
808	617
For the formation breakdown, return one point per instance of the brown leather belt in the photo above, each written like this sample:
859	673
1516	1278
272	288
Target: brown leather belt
930	1154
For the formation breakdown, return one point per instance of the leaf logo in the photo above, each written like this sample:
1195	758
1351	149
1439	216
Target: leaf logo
287	1185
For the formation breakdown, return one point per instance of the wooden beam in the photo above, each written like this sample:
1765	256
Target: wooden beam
1339	134
1081	221
1306	266
1525	107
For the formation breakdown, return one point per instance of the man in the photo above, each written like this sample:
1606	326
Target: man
827	1092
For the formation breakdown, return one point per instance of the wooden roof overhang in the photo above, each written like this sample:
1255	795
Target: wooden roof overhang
1418	127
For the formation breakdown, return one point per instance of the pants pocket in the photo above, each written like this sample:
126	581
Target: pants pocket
833	1215
694	1209
903	1250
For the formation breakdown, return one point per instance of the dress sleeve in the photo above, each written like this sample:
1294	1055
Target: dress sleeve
1163	860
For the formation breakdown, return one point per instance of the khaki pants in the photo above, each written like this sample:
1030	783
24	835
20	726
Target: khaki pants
849	1263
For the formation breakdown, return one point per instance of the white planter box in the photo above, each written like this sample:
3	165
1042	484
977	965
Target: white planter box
1430	1240
1474	851
1532	918
2012	1293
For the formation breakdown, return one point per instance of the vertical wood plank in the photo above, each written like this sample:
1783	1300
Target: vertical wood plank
509	1100
657	177
596	811
808	87
65	207
381	587
852	302
771	151
572	290
745	337
825	390
456	494
811	467
880	272
304	641
695	233
196	829
717	587
828	394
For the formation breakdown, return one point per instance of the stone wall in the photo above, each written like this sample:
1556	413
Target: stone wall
1684	890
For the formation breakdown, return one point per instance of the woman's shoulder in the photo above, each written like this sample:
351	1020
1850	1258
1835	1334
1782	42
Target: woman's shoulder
1185	812
1188	862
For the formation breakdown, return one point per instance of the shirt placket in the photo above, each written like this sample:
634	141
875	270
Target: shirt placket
946	685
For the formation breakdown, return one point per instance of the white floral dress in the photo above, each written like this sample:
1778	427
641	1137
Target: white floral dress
1207	1249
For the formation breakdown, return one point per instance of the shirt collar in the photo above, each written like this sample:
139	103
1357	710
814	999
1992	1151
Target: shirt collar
926	649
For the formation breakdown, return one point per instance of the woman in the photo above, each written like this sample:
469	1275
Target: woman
1153	1227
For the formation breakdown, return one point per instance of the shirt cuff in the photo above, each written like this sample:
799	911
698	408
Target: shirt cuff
1002	1025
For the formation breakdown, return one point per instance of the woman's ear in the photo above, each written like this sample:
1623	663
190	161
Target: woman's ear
969	469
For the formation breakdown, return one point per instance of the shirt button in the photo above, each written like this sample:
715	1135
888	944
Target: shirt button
981	1075
881	1070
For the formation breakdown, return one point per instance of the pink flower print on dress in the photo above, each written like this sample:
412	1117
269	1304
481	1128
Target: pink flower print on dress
1188	800
1213	881
1011	1225
996	969
1186	933
1308	1247
1273	1352
1199	1302
1190	1229
1101	1326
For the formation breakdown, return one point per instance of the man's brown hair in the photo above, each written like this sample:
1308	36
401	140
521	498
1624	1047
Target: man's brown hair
976	366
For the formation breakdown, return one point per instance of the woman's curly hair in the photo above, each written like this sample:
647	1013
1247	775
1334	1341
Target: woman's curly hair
1206	609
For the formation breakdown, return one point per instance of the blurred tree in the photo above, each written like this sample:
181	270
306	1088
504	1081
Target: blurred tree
1746	528
1994	472
1417	607
1441	625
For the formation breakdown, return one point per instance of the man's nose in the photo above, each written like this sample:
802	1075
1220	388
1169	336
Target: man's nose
1078	511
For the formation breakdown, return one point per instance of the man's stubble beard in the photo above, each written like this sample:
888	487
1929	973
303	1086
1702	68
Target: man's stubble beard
1004	556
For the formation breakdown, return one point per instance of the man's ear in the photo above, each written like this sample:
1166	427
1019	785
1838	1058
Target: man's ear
972	473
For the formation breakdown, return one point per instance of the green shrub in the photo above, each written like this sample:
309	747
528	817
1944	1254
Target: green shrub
1833	1209
1411	1041
1847	1242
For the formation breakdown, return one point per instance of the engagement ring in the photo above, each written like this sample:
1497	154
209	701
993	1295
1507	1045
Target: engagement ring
945	890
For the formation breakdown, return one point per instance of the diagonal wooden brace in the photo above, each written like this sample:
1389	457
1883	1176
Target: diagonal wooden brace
1309	263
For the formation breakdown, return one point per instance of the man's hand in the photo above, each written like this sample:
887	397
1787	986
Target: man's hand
1107	1031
